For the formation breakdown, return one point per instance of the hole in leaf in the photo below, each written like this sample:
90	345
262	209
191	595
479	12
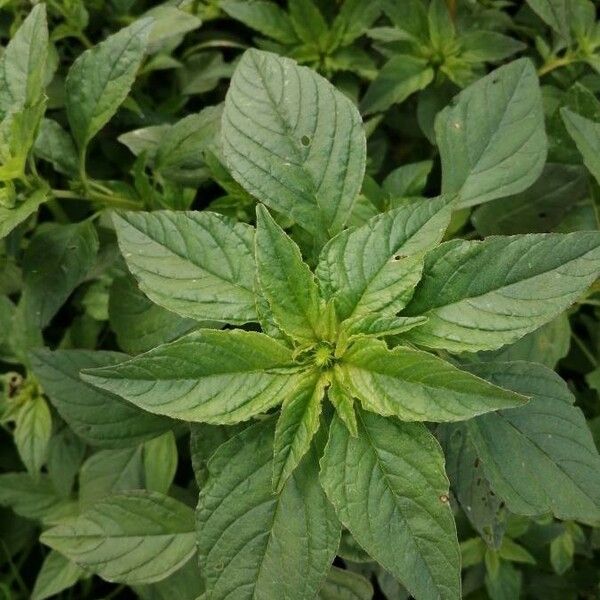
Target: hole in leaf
305	140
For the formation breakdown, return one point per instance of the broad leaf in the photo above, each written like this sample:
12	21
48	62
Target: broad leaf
417	386
207	376
135	537
33	428
491	138
160	462
57	574
586	135
555	13
11	217
292	155
54	145
370	269
282	544
197	264
100	79
389	489
482	295
541	457
285	281
100	418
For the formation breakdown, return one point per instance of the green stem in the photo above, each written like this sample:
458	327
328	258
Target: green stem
555	63
108	199
584	349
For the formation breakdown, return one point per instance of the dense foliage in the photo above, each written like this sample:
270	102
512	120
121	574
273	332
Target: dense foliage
299	300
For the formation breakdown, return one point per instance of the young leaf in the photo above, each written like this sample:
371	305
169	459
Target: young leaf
297	425
196	264
292	155
23	63
586	135
343	402
342	584
389	489
541	457
58	573
555	13
54	145
100	79
12	217
370	269
33	428
207	376
286	281
282	544
491	138
481	295
374	325
99	418
160	462
417	386
134	537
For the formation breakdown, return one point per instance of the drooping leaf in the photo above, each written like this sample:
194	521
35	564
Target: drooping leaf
291	155
492	140
133	538
541	457
206	376
197	264
389	489
586	134
283	544
482	295
54	145
417	386
98	417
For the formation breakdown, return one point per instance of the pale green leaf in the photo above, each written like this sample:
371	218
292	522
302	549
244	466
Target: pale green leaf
389	489
369	269
207	376
491	138
374	325
100	79
33	428
100	418
417	386
57	574
541	457
297	424
342	401
586	135
199	265
285	281
482	295
133	538
160	462
292	155
282	545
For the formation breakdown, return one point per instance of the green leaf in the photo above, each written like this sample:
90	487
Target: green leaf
417	386
108	472
482	295
160	462
33	499
353	20
292	155
56	575
408	180
100	79
207	376
488	46
199	265
66	452
11	217
56	261
264	16
491	138
282	545
342	401
133	538
389	489
441	26
297	425
54	145
370	269
562	550
33	429
100	418
374	325
400	77
541	457
555	13
342	584
286	281
184	584
23	63
586	135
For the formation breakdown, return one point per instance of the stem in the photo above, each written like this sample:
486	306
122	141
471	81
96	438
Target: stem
584	349
590	302
92	196
555	64
115	592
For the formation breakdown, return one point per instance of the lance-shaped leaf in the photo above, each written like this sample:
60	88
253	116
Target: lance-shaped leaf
196	264
297	425
134	537
491	138
389	489
482	295
304	158
541	457
417	386
586	135
285	280
207	376
343	402
23	63
256	544
101	78
369	269
98	417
